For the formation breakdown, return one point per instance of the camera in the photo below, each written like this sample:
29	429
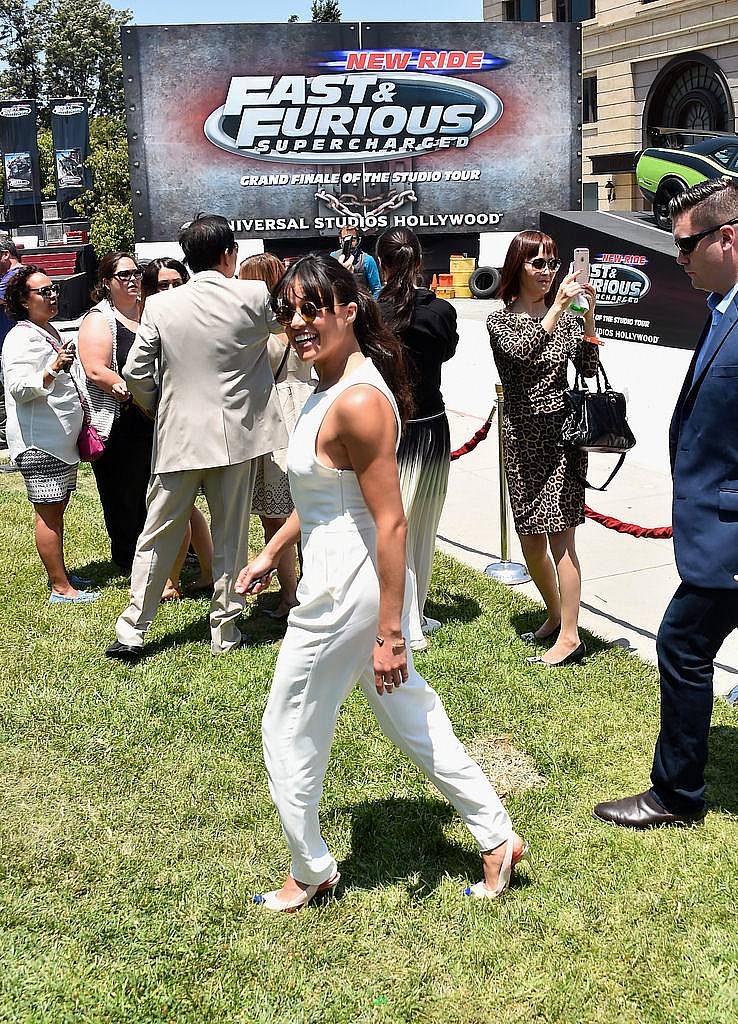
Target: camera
346	245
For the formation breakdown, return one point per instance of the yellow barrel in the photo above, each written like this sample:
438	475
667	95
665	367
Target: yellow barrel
461	278
446	293
462	293
462	264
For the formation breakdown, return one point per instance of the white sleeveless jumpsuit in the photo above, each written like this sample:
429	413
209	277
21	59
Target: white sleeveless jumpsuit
329	645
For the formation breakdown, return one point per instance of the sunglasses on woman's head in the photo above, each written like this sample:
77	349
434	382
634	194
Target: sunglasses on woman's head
285	312
540	263
688	243
46	291
127	275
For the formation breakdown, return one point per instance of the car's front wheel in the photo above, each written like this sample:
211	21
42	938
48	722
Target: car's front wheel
667	191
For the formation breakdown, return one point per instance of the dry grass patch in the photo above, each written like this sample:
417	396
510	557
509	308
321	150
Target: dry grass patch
509	770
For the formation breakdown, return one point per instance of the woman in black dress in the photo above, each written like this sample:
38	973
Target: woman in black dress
426	326
533	340
105	338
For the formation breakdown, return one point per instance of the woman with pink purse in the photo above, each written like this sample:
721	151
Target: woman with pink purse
45	419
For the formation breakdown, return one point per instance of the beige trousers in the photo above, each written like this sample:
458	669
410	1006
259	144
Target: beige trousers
170	498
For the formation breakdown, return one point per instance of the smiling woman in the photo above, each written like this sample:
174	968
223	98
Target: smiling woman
350	624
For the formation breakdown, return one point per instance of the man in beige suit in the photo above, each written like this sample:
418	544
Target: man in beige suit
200	363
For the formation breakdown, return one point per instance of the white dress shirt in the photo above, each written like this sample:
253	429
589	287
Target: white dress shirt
49	419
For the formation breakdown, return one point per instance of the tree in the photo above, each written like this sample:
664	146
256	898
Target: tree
62	48
326	10
20	50
108	203
83	54
293	18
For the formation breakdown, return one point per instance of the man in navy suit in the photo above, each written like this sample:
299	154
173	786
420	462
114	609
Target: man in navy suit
703	443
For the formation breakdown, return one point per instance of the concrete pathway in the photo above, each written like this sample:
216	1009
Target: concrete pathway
626	582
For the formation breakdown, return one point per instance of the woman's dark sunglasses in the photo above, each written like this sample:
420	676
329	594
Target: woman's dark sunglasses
47	291
688	243
126	275
540	263
164	286
308	311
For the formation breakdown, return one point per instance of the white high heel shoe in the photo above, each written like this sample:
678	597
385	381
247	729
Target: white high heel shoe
271	901
481	891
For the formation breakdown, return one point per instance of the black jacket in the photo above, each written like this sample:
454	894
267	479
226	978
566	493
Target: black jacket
429	341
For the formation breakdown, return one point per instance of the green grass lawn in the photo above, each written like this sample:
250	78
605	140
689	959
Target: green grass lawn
136	825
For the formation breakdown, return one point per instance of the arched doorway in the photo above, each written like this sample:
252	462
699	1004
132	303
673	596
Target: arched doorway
690	92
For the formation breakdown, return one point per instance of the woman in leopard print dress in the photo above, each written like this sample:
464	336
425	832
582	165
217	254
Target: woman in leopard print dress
533	340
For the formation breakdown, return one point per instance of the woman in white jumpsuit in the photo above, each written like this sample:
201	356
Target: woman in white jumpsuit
348	626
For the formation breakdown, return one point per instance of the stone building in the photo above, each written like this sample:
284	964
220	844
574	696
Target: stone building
646	65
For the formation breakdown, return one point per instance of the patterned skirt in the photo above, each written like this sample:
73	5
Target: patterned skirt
272	496
544	479
48	480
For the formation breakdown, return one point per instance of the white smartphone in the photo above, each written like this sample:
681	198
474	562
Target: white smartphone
580	267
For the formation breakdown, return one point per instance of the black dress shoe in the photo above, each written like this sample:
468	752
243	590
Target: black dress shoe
641	811
122	652
576	655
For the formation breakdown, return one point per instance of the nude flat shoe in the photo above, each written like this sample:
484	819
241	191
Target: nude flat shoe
270	900
481	891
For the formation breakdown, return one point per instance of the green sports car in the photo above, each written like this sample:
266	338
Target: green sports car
662	173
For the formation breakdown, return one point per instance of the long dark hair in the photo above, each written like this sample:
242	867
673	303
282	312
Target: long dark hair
108	266
401	259
524	247
150	279
325	282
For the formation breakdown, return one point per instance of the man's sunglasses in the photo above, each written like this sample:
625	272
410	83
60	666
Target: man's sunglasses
540	263
127	275
47	291
308	311
688	243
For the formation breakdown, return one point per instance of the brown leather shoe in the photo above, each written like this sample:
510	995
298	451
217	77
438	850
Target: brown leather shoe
641	811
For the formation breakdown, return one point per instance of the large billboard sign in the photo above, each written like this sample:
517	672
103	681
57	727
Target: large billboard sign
293	130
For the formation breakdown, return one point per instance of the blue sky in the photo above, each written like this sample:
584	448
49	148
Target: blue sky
163	12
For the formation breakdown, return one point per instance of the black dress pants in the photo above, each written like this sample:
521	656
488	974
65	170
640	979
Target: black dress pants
693	629
122	476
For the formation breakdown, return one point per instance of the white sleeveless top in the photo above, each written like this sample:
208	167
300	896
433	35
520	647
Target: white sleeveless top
323	495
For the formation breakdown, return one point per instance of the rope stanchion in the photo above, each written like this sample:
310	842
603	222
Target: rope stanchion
611	523
473	441
504	570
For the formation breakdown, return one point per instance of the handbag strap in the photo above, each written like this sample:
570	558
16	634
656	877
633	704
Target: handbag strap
618	467
281	365
105	307
86	417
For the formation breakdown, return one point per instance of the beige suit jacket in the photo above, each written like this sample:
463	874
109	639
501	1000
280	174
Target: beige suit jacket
200	363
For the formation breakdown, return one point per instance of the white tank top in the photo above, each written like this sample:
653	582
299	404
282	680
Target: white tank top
324	495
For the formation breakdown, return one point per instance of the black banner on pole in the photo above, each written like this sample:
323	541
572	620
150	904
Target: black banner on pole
20	152
70	131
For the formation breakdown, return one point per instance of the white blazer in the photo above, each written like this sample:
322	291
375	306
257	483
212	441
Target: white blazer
200	363
47	419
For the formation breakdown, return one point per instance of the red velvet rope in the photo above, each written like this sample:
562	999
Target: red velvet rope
472	443
611	523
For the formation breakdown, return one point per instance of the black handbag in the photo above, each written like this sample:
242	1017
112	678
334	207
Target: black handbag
596	422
